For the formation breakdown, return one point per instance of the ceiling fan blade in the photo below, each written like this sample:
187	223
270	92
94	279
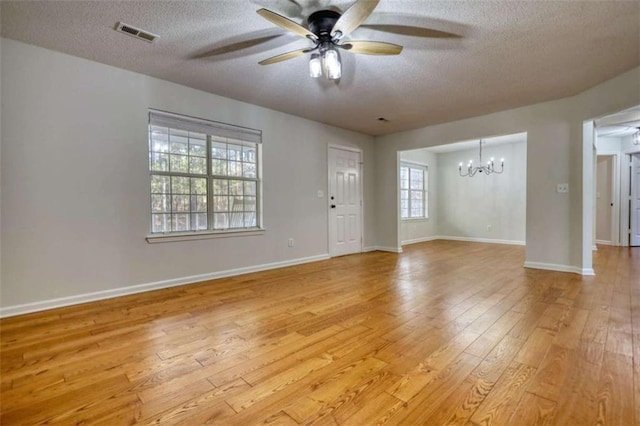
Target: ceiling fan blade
284	57
353	17
412	31
233	47
372	47
291	8
286	23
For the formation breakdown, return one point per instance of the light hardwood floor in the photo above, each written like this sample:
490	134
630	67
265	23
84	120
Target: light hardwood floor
447	332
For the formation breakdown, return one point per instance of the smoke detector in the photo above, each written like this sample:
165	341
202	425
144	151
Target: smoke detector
138	33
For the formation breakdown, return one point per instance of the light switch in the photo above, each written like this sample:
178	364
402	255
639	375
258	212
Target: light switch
562	187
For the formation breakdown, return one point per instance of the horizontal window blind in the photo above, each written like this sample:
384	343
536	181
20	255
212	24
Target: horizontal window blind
198	125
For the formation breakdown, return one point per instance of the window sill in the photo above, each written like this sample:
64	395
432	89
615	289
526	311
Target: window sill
415	219
186	236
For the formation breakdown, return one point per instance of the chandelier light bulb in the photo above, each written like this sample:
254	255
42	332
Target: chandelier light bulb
481	168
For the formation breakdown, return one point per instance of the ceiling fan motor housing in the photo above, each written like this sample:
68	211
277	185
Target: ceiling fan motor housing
322	22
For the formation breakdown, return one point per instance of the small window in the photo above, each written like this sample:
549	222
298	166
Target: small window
414	197
205	176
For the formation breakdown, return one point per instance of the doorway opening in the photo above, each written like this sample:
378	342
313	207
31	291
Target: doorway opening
616	179
436	202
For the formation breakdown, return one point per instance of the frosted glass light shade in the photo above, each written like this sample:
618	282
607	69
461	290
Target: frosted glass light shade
315	66
331	64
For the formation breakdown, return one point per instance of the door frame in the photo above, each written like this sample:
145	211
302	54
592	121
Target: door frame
360	189
615	192
625	225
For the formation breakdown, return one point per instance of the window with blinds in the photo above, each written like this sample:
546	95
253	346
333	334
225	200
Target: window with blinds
413	191
205	176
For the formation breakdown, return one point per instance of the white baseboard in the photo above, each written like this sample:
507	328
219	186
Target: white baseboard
418	240
482	240
604	243
594	248
559	268
382	248
26	308
389	249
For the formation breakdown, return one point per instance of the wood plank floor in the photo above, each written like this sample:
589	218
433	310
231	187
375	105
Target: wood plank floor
445	333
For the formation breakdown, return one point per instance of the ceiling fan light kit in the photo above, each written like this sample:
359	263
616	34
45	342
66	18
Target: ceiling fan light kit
331	65
326	29
315	66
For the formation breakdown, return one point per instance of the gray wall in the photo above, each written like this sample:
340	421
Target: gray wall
556	223
415	230
484	207
75	204
75	180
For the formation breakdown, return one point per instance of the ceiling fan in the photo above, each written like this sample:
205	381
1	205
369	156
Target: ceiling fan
326	29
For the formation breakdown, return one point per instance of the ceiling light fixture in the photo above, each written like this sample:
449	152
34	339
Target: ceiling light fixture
331	65
315	65
636	137
326	62
488	169
326	29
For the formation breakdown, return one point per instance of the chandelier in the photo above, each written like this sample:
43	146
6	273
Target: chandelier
471	170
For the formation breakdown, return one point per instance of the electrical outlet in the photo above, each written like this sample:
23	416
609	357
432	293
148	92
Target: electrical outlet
562	188
320	193
291	242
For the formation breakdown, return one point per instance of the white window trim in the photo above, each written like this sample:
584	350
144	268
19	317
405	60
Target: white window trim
203	235
425	192
200	125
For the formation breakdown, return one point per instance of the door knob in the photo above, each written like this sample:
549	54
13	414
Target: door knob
333	206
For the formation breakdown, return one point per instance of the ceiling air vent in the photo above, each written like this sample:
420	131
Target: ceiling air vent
127	29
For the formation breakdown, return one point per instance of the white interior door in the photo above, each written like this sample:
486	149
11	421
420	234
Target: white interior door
345	202
634	214
604	199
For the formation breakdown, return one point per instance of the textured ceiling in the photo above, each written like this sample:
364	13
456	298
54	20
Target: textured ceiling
506	53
